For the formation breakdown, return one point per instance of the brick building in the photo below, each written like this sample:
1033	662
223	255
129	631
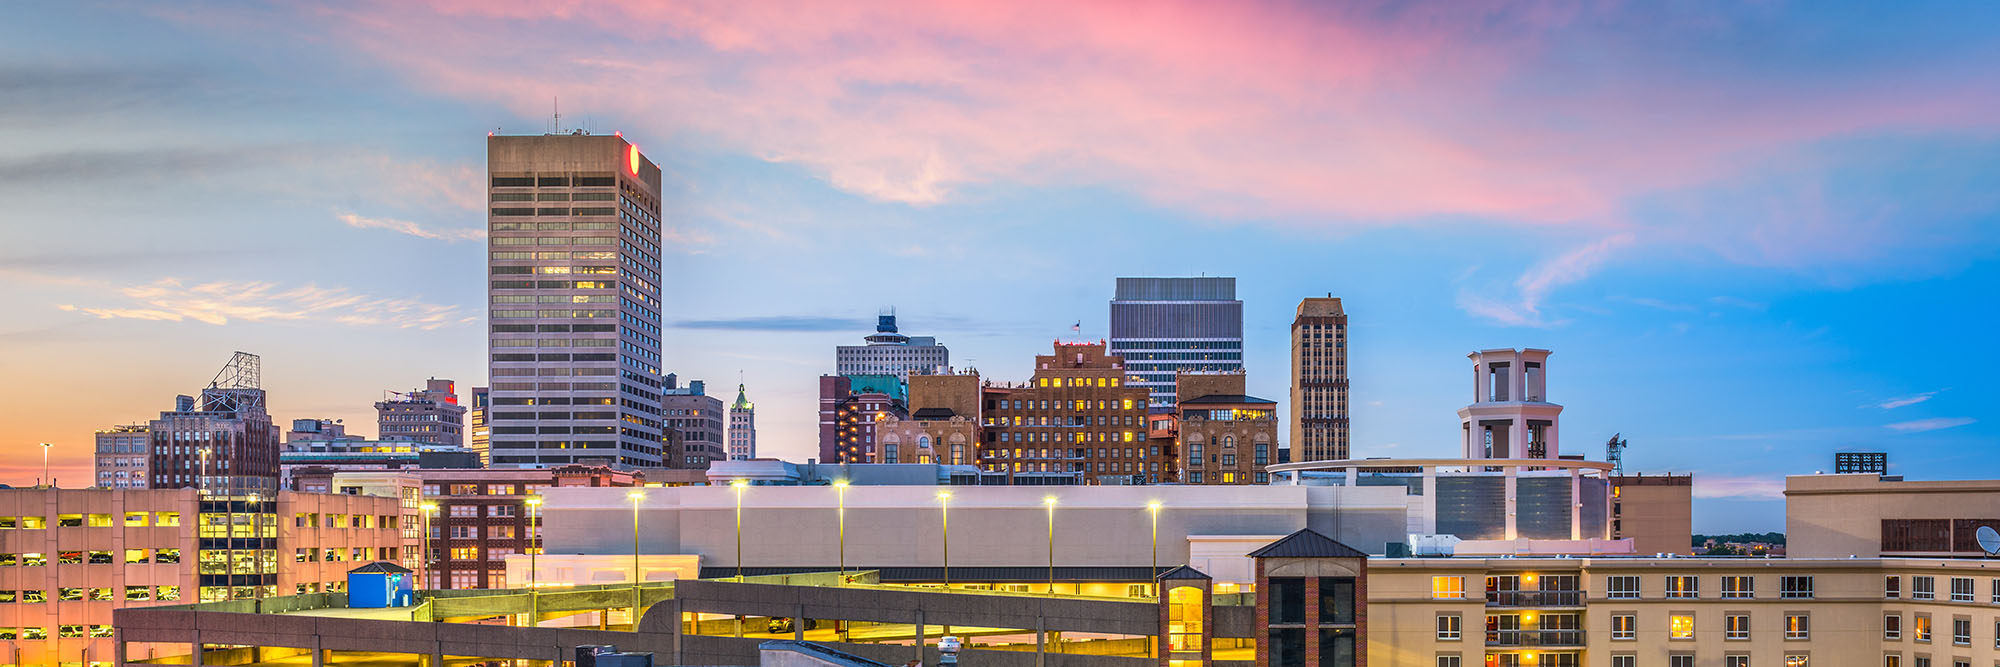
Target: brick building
849	407
1225	436
1077	414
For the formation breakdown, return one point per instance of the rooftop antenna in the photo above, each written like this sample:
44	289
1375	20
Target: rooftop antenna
1989	540
555	103
1614	453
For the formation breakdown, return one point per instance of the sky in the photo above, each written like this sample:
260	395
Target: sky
1754	234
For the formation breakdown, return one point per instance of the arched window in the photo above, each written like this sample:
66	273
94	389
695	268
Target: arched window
1228	441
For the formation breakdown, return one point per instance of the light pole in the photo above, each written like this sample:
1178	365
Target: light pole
739	486
45	464
1154	509
425	562
840	516
1050	502
534	539
944	513
637	497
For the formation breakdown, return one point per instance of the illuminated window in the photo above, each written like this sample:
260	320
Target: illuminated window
1739	587
1798	626
1920	626
1447	588
1736	626
136	519
1682	587
1184	619
1680	626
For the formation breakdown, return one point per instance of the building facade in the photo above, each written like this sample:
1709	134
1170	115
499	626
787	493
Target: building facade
478	436
849	407
1319	419
1655	511
123	458
574	266
1078	413
1161	326
1510	416
1222	435
889	352
1865	515
742	427
223	443
698	418
430	415
317	429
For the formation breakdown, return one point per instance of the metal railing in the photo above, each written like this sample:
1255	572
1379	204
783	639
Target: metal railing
1534	598
1534	638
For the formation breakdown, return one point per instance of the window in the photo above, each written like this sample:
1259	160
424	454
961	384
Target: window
1739	587
1921	626
1736	661
1802	587
1621	587
1892	660
1797	660
138	593
1446	588
1923	588
1921	661
1798	626
1449	661
136	519
1961	631
167	556
1624	661
1680	626
1680	660
1961	589
1892	627
1449	627
1681	586
1624	626
137	556
1736	626
1892	587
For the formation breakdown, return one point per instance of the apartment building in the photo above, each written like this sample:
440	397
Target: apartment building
68	557
123	457
1077	414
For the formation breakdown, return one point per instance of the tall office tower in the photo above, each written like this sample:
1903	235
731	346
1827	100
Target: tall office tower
574	355
222	442
742	427
124	457
1510	416
1319	380
1078	416
698	417
888	352
478	435
1161	326
429	415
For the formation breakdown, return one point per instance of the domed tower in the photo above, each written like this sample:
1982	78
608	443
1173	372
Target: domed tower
742	427
1510	416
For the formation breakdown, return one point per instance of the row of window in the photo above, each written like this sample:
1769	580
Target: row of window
338	554
132	520
62	631
132	594
36	559
1924	587
1686	587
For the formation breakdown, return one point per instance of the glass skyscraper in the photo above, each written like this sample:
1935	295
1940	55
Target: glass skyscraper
1162	326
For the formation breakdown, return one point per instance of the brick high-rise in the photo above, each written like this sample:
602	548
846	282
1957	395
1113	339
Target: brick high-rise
574	263
1319	381
1079	414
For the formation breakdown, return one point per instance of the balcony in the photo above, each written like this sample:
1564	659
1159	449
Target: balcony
1534	638
1534	598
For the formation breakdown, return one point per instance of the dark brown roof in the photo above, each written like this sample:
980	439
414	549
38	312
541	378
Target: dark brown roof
1228	398
1307	544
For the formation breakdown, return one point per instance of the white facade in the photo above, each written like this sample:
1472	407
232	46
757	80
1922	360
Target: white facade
742	427
891	353
1510	416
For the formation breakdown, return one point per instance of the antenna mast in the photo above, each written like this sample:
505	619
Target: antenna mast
1614	453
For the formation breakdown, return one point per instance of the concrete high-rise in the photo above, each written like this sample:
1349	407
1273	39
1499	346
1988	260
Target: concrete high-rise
1161	326
742	427
889	352
429	415
574	264
1319	381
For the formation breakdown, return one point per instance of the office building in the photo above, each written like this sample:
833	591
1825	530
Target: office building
1222	435
478	436
368	455
849	407
698	419
1869	514
222	442
1510	416
430	415
69	557
1162	326
1656	512
1319	419
317	429
888	352
574	264
124	457
742	427
1076	414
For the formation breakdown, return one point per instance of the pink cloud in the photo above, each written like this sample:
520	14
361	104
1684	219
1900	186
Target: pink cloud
1302	113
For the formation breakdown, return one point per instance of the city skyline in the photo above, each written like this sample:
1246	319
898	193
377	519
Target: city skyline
1750	261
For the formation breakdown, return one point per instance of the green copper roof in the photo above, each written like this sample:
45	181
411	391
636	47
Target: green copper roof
742	402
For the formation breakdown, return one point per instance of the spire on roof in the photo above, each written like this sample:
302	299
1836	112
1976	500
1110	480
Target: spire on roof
742	401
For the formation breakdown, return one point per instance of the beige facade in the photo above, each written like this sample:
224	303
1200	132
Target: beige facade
68	557
124	458
1625	612
1655	511
1836	516
1319	417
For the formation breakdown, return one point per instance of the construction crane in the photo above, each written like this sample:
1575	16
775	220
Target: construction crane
1614	453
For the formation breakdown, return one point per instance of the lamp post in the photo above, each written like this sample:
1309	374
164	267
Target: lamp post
1153	508
45	465
739	486
840	517
944	513
534	539
1050	503
424	560
637	497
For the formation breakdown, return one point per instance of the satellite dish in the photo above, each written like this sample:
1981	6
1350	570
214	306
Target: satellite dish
1989	540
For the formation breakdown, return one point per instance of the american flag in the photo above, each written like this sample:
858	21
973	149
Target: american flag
1078	327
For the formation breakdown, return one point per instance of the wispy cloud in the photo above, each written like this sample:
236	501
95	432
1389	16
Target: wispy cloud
1905	401
1658	304
219	302
1932	424
777	323
1738	302
1739	487
410	228
1534	285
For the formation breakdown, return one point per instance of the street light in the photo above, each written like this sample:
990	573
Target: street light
739	486
425	560
534	538
840	515
637	496
944	512
1154	509
1050	502
45	463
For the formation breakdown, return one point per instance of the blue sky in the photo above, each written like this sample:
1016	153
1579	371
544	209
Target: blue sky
1753	236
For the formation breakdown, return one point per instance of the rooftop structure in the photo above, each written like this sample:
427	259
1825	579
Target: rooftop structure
889	352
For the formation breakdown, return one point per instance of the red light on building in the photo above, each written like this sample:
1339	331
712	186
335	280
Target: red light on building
632	157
